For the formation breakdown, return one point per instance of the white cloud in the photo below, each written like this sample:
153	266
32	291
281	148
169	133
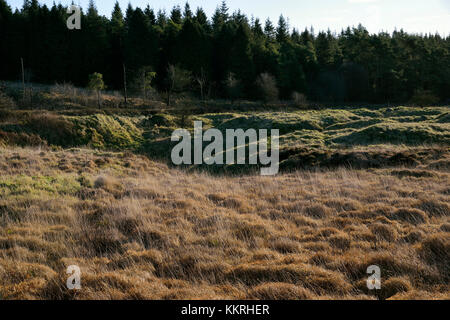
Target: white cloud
428	19
374	18
427	23
362	1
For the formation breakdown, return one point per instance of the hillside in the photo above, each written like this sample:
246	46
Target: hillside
358	187
327	137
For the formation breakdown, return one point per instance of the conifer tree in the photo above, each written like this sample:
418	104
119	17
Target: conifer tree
269	30
176	16
187	14
282	30
150	13
352	66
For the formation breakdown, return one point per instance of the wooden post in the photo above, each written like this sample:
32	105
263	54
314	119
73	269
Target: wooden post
144	85
23	78
31	96
125	84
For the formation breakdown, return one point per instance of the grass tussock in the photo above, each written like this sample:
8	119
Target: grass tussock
280	291
140	230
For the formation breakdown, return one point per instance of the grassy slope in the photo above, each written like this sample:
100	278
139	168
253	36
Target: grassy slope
139	229
330	129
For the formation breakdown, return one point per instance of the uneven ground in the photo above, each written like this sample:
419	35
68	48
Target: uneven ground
358	187
140	230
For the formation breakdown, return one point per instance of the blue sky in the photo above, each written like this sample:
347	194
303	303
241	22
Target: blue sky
411	15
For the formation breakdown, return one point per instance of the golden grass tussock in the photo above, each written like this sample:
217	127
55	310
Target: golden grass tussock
280	291
413	216
384	232
140	230
394	286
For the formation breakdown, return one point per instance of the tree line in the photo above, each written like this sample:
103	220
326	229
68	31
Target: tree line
226	56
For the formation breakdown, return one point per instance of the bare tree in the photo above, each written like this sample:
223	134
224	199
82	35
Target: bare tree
299	99
202	81
234	87
268	87
177	80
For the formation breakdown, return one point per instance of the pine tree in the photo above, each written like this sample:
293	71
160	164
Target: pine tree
353	66
150	14
306	37
128	14
257	28
242	58
5	36
141	42
224	11
116	55
96	84
194	47
161	19
187	14
96	43
291	75
117	21
327	49
176	16
269	30
201	18
282	30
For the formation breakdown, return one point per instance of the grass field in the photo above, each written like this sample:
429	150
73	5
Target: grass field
358	187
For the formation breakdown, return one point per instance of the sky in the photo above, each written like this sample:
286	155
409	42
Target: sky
414	16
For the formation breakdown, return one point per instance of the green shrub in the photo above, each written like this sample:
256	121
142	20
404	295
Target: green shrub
6	101
424	98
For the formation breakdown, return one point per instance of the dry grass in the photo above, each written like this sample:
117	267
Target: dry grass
139	230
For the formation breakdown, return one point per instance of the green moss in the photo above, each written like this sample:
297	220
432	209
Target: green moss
334	127
368	113
356	124
300	138
161	120
400	133
411	111
285	122
216	119
331	117
111	132
38	185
